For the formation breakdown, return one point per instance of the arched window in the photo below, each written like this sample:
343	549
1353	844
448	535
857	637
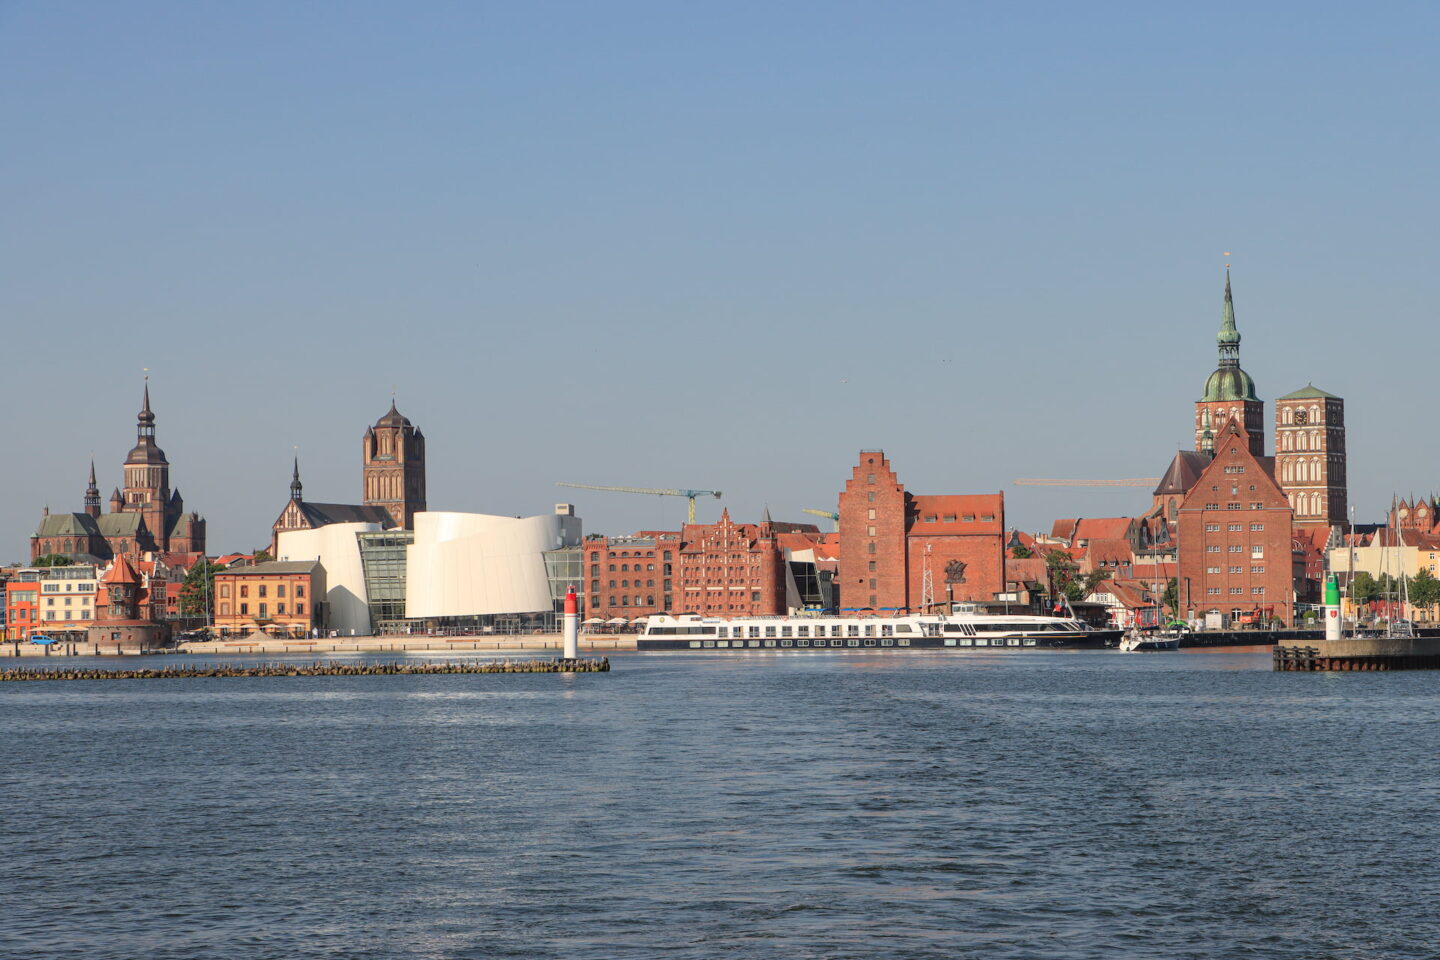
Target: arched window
1315	470
1287	442
1314	439
1286	471
1314	414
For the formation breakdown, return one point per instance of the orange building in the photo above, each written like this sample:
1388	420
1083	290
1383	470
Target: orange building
282	598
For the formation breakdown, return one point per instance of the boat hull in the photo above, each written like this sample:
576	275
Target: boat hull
1094	640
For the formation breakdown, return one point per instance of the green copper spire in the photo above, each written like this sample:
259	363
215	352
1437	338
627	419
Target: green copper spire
1229	334
1229	382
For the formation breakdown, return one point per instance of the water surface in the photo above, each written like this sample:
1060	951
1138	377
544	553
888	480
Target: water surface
1022	804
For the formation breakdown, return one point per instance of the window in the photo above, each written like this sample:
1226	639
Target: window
1237	590
1236	527
1212	548
1212	569
949	518
279	609
299	609
869	478
1257	551
1237	569
1212	528
244	609
872	563
870	531
263	588
299	589
872	513
1259	569
1232	506
1257	590
870	548
1261	526
244	590
264	610
1237	548
1212	591
871	496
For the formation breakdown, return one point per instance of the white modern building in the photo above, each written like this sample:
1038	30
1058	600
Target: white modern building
460	568
337	548
472	564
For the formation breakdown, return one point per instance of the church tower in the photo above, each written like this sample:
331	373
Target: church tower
1310	456
92	493
394	467
147	476
1229	391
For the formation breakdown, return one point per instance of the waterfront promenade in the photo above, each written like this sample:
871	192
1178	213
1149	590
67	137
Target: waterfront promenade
384	644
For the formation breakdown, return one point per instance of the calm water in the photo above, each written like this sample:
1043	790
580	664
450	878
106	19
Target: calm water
1020	805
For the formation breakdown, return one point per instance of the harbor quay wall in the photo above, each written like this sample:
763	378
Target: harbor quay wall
383	644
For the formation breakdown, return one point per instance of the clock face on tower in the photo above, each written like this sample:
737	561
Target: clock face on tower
1302	417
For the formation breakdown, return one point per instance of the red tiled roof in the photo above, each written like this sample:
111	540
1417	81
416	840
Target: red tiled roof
121	572
1102	528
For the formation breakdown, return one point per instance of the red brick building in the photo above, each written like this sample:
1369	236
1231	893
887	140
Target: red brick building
1236	548
725	569
889	537
630	576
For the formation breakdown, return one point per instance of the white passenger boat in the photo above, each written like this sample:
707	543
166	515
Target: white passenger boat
917	631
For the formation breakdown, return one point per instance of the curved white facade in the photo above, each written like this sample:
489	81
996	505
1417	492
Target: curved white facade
335	546
470	564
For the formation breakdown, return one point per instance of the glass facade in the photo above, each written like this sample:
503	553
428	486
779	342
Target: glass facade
382	555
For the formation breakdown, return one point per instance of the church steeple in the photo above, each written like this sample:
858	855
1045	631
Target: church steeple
296	487
92	493
1229	390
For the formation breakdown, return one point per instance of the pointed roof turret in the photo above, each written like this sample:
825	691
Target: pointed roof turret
1229	382
121	572
766	517
145	449
394	418
296	488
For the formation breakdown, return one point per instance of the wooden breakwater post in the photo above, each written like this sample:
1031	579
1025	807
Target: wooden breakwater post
330	668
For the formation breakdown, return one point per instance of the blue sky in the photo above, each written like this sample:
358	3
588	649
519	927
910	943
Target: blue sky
721	246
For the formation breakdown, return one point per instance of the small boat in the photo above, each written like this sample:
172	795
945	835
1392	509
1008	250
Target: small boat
1135	640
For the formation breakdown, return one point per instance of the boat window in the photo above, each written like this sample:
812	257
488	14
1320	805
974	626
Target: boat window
694	643
802	643
903	628
754	631
852	630
786	643
887	630
786	631
904	641
837	643
709	643
869	643
869	629
769	643
887	643
853	643
724	631
803	631
769	631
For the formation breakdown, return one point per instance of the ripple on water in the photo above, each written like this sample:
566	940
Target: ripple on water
1035	805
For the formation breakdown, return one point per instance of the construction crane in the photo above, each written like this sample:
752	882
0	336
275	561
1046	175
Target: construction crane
655	491
824	513
1128	482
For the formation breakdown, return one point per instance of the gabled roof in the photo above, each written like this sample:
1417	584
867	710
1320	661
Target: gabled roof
1309	392
67	525
1102	528
1184	470
120	524
322	514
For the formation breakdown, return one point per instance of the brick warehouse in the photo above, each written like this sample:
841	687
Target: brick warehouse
888	535
1236	547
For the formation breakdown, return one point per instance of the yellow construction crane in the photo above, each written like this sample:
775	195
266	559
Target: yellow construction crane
824	513
655	491
1128	482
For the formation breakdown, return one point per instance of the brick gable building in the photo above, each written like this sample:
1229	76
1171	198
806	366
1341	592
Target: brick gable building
1236	547
889	538
1310	456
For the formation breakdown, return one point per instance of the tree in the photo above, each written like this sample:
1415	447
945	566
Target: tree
53	560
1364	588
263	555
1067	580
197	593
1424	591
1171	598
1021	552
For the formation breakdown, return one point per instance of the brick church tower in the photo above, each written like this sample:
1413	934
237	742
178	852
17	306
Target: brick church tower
394	467
1229	391
147	475
1310	456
